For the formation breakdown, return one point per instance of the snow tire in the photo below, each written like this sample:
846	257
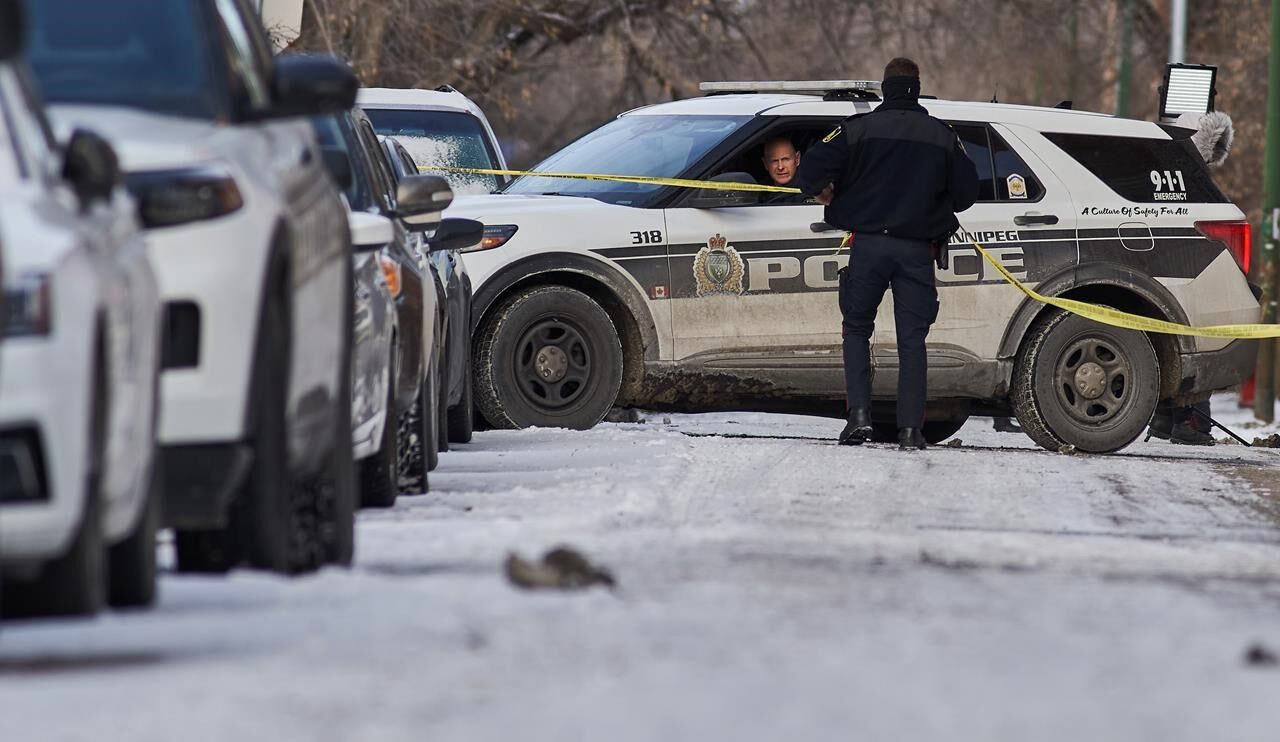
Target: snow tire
551	331
1064	362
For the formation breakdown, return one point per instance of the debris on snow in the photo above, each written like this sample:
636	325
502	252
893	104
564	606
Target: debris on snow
1271	441
562	568
933	560
623	415
953	443
1258	655
1067	449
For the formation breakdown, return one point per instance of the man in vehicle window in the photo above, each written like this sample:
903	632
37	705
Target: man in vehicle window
893	178
781	160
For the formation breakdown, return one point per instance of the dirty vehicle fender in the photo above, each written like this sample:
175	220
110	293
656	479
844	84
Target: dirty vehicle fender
572	268
1099	276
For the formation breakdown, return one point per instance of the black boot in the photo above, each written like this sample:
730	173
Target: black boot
1006	425
911	438
1180	425
858	430
1192	432
1161	424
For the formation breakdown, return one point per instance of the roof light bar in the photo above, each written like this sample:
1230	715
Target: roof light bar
788	86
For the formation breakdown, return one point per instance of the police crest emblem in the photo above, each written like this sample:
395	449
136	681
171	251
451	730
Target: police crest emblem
717	268
1017	186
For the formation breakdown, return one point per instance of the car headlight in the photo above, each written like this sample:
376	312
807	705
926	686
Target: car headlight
495	235
29	306
168	198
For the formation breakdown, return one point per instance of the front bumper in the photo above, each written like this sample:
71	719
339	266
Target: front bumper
44	421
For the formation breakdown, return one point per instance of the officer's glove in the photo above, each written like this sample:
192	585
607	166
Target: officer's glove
941	255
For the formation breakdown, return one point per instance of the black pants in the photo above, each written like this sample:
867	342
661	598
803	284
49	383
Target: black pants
878	262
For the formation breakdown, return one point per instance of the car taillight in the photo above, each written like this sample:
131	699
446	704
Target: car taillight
1236	235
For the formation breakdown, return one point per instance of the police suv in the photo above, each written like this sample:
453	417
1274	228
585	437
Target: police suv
636	293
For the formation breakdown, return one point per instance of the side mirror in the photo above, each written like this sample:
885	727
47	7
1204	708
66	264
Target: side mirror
90	166
420	199
311	85
338	164
456	234
710	198
369	232
12	28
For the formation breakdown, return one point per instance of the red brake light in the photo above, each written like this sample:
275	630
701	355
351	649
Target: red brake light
1236	235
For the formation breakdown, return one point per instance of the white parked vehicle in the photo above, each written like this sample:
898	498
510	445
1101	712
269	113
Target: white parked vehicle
250	246
440	127
643	294
80	353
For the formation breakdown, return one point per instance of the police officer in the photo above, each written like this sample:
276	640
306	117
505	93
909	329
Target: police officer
894	179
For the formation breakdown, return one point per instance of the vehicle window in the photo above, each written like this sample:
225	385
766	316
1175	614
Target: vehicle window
768	160
249	66
1002	174
330	134
384	183
1014	180
1141	169
978	147
410	167
444	138
651	146
149	54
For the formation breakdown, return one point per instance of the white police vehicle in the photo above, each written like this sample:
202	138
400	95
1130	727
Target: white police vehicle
642	294
252	254
80	352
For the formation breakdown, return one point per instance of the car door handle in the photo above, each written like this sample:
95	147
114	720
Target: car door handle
1029	219
823	227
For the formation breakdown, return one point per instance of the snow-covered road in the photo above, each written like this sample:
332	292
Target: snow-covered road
770	586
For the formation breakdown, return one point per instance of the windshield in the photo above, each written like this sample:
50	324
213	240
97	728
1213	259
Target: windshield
445	138
652	146
146	54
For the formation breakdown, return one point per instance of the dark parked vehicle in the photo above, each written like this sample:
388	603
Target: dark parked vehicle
374	356
371	187
455	285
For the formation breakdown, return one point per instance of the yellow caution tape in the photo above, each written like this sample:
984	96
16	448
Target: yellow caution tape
1104	315
645	179
1116	318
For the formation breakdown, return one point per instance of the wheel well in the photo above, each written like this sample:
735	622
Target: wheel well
628	329
100	381
1119	297
275	286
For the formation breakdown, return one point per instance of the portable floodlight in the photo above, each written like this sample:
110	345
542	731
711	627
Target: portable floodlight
1188	88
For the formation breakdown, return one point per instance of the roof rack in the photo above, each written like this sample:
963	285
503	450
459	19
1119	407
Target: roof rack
830	89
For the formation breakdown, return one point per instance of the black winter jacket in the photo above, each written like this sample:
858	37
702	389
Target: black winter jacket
896	170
